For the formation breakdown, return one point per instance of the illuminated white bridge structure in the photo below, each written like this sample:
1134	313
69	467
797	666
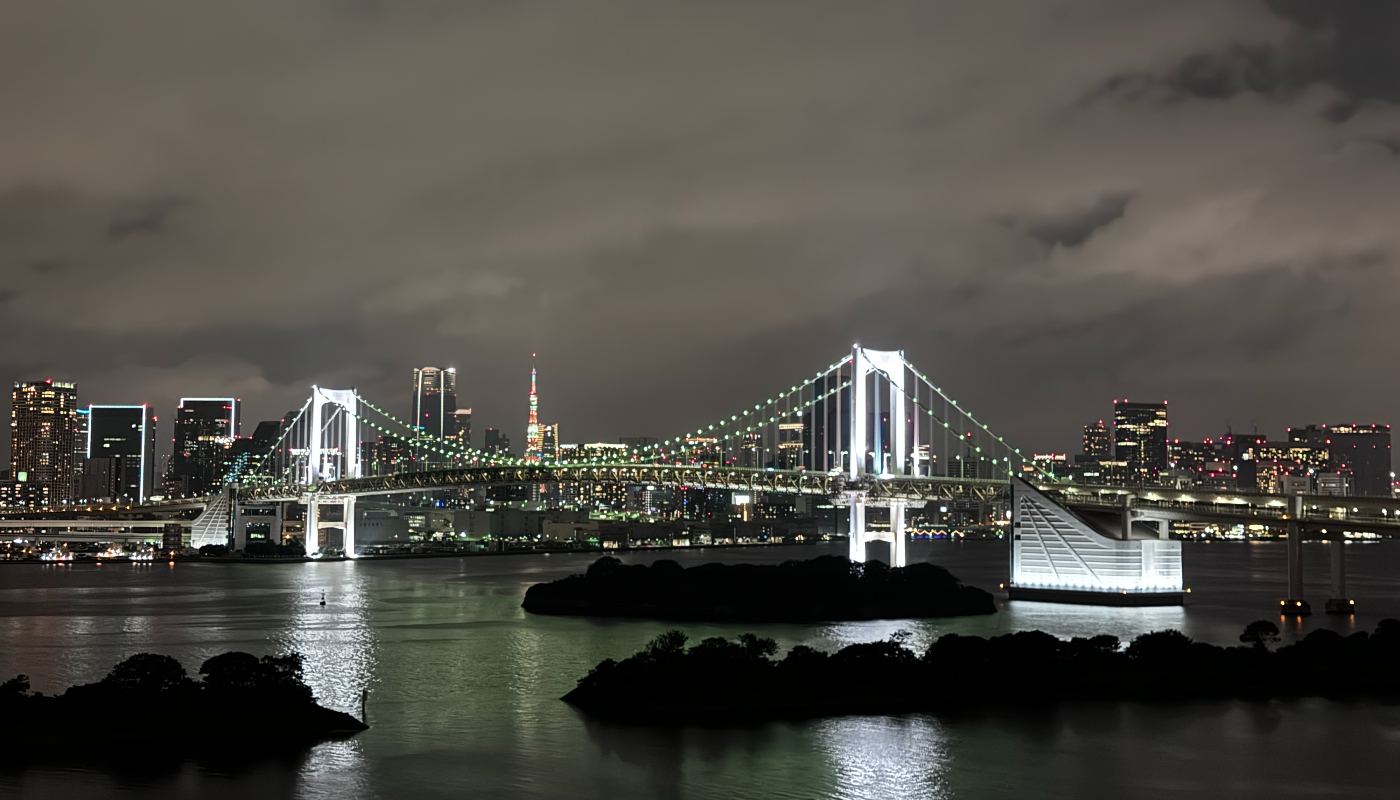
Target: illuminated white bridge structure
870	432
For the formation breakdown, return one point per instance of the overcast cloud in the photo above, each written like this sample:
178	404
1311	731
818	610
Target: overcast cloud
683	207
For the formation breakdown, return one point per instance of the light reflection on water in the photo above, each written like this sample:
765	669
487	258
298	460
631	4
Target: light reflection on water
879	757
464	687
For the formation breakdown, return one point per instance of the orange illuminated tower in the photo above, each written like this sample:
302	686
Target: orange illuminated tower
534	442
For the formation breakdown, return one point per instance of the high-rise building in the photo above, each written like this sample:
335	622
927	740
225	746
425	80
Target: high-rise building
434	411
549	442
205	430
534	441
121	453
703	450
1098	444
43	422
751	451
790	442
80	434
462	427
387	456
496	442
1140	438
1361	452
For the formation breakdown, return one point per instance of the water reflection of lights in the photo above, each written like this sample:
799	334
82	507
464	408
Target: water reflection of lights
879	757
339	648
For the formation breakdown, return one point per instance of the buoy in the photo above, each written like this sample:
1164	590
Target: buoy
323	598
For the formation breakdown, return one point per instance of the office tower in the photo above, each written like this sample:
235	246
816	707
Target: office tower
80	434
1361	452
702	450
433	411
549	442
462	427
496	442
121	453
751	451
534	442
387	456
43	421
1140	438
205	430
790	445
1098	445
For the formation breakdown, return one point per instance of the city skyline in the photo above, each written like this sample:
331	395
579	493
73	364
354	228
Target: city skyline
1068	440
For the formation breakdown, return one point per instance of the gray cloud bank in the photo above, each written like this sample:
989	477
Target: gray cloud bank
683	207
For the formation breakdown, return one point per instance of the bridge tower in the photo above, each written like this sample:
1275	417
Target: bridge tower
333	453
872	370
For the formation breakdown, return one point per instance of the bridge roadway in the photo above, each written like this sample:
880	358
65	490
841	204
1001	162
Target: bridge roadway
1372	514
1319	513
741	479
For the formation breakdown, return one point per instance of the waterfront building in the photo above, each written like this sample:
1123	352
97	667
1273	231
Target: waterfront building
120	453
1140	438
43	424
205	430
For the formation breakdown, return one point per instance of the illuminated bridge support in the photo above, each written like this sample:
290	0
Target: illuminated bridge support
1058	557
860	536
1339	602
1295	604
315	543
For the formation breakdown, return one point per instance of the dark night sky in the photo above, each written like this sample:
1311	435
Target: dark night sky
685	207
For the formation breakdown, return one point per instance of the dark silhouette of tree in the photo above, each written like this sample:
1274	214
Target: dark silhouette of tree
1260	634
229	672
279	676
18	686
146	673
824	588
669	643
1160	645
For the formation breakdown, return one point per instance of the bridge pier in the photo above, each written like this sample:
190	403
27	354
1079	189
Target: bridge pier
857	528
899	545
1339	603
1294	605
349	537
313	527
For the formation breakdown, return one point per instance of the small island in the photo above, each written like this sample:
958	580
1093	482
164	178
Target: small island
148	704
828	588
719	681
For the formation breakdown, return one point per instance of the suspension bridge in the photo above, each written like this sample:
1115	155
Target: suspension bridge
868	432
